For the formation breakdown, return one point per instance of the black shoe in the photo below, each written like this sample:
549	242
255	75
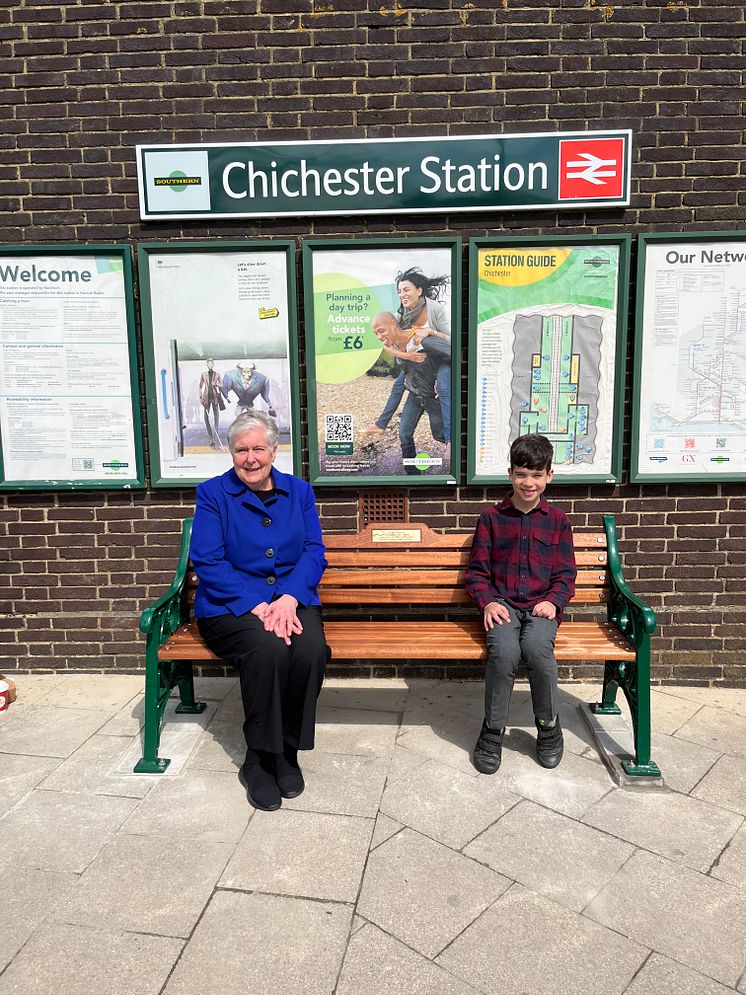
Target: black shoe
550	744
288	774
488	752
257	776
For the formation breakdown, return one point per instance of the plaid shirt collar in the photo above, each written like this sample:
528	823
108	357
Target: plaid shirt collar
507	505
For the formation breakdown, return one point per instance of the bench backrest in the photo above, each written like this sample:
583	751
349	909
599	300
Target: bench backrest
410	564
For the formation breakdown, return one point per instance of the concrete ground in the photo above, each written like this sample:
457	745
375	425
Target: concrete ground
399	870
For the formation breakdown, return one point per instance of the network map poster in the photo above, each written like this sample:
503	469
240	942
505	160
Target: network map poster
382	347
219	339
690	423
69	394
547	348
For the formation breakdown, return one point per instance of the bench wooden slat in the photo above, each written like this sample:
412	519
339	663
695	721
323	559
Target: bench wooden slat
340	577
424	641
430	596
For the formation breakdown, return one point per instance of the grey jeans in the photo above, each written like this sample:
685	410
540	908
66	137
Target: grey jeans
531	638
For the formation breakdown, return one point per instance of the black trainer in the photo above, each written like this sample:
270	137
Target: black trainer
288	774
488	752
550	744
258	778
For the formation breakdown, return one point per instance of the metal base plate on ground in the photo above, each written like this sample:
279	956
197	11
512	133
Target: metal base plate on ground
612	735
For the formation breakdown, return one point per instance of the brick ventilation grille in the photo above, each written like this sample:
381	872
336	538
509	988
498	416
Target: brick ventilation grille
383	506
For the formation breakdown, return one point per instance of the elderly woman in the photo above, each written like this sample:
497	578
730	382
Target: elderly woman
258	554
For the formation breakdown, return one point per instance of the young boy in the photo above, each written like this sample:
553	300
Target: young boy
521	575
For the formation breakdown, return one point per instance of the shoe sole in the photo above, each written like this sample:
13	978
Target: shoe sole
292	794
252	801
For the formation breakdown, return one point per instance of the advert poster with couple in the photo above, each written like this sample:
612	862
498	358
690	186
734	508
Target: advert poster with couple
382	342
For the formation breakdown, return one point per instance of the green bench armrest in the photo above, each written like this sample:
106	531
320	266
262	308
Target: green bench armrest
170	608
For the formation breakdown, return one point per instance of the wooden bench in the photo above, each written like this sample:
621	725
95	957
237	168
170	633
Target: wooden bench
394	569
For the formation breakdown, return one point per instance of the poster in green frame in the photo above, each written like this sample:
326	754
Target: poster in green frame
383	347
69	392
547	349
219	338
690	322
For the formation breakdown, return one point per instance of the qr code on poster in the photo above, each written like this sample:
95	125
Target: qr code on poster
338	428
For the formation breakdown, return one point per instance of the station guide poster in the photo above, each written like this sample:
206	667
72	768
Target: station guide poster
219	339
547	348
69	397
382	319
689	396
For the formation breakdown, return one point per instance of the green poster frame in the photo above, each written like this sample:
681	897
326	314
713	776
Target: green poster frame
642	333
155	392
411	246
123	255
616	406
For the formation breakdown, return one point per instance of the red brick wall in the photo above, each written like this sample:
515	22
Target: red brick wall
82	83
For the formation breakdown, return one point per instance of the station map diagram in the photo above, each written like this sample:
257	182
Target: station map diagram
556	362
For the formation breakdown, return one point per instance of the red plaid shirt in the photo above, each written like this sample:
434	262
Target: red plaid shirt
522	558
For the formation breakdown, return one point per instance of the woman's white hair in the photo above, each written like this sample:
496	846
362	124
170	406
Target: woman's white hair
253	419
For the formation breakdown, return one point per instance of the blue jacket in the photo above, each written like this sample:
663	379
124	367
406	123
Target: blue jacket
245	552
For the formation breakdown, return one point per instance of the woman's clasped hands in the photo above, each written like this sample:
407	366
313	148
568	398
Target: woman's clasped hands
280	617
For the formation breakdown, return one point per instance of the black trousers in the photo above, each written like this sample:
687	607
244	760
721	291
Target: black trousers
279	683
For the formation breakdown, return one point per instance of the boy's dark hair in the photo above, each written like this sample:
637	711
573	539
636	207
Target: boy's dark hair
534	452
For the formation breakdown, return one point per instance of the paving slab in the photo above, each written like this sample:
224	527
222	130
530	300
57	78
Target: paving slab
731	864
87	961
694	919
47	731
446	804
340	785
423	893
525	943
725	784
729	699
88	771
668	713
32	687
682	763
404	761
61	832
383	699
28	897
201	805
230	708
305	854
570	788
146	884
675	826
222	746
128	721
661	976
447	735
384	830
377	964
717	730
214	688
356	731
263	943
97	691
19	774
553	855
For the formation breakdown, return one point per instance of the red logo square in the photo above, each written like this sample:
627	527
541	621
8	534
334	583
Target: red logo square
591	168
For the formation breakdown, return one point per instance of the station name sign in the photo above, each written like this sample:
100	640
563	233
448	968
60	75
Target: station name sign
408	175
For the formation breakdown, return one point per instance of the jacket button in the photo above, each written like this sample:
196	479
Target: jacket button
269	554
271	580
266	522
